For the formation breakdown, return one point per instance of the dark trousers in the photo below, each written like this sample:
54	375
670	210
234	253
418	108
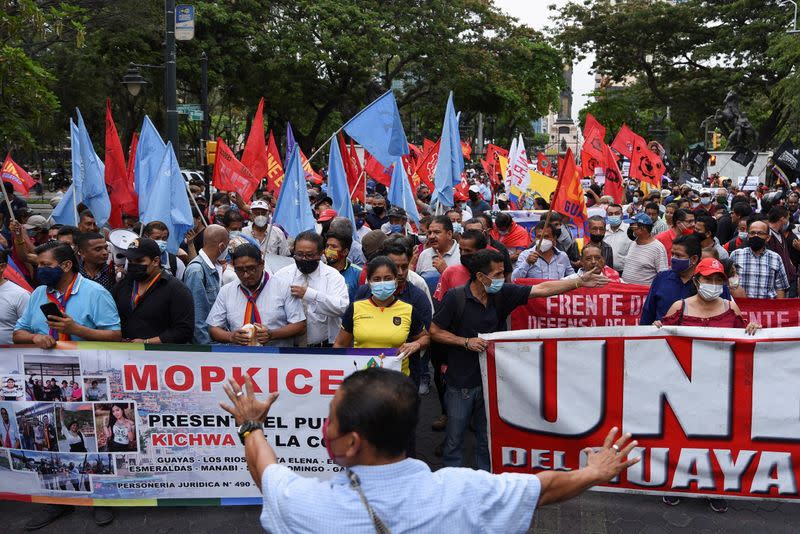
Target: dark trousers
438	359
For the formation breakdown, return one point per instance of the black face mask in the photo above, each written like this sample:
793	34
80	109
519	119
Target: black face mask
701	237
596	238
378	211
756	243
137	272
466	261
631	235
306	266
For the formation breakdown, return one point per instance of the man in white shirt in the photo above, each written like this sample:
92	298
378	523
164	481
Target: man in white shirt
320	287
443	250
617	235
276	244
372	416
13	300
258	299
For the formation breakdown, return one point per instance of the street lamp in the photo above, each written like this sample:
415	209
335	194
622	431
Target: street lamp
132	80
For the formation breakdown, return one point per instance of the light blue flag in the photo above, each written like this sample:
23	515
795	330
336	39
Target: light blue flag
338	189
290	144
149	154
450	164
379	130
293	211
93	191
400	193
166	200
64	212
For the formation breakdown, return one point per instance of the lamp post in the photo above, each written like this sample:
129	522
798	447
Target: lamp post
206	122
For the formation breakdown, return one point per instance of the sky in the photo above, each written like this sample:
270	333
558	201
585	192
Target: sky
534	13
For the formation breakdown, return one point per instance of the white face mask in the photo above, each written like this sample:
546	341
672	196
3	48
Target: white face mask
223	255
261	221
709	291
546	245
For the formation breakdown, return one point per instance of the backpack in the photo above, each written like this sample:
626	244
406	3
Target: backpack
460	294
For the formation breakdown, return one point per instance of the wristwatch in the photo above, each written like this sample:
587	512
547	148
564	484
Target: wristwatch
247	427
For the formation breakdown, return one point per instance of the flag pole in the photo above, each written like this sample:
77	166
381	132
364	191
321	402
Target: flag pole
317	151
191	196
8	202
550	211
360	176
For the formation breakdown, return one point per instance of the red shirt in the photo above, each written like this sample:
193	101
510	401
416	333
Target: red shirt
666	239
453	276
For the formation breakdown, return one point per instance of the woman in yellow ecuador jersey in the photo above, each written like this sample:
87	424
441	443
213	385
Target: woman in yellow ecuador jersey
382	320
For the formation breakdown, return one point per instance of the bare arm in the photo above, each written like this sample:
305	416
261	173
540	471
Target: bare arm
557	287
440	335
601	467
290	330
343	340
780	293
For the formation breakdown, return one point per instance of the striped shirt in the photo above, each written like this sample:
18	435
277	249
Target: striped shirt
644	262
760	275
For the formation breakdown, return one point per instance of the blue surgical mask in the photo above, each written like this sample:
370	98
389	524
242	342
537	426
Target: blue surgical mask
395	228
383	290
742	235
359	223
234	233
162	245
614	220
495	286
457	228
705	201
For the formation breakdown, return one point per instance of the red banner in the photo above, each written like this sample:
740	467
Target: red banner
231	175
621	304
714	411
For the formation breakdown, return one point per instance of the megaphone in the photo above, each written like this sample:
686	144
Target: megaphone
120	239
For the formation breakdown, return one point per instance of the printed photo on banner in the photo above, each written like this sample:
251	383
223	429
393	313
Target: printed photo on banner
5	463
54	377
95	388
36	422
115	427
62	472
9	432
75	424
13	387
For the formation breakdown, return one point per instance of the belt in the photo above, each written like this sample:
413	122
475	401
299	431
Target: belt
322	345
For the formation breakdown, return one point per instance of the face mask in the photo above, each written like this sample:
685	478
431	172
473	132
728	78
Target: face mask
689	230
546	245
261	221
495	286
631	235
162	245
307	266
733	282
636	199
137	272
378	211
709	291
742	235
614	220
631	188
466	260
331	255
422	239
383	290
705	201
457	229
695	204
359	223
679	265
234	233
756	243
721	199
596	238
223	254
49	276
395	228
699	236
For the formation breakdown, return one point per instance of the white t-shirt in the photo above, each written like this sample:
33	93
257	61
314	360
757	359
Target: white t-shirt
13	300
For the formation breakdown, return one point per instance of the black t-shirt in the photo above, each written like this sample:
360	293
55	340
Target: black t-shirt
463	369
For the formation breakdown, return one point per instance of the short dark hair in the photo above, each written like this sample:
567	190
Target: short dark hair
597	218
444	220
395	247
246	250
346	240
86	214
219	196
476	220
709	223
541	225
94	382
742	208
652	206
231	216
83	239
154	225
477	236
689	242
380	405
482	262
614	205
68	230
380	261
488	218
776	213
503	220
425	221
61	252
679	215
312	237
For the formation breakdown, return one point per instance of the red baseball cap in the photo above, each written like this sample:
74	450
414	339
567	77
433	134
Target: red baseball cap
327	215
709	266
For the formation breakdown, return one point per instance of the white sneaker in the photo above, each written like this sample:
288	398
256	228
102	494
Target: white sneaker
424	388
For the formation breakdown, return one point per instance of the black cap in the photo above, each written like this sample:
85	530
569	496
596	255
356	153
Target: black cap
323	199
397	211
141	247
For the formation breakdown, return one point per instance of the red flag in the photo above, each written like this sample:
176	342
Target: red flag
360	191
594	135
613	185
543	164
310	173
377	171
569	199
17	176
131	165
254	156
466	149
415	152
427	166
426	145
231	175
646	165
350	169
461	191
623	142
589	162
274	167
120	188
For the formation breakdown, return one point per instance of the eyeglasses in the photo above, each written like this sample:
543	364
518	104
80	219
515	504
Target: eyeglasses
758	233
246	270
314	256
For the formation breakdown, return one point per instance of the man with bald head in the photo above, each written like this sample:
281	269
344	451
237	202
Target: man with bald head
203	277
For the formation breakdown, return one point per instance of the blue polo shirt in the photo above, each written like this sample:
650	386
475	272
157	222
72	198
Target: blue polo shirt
351	275
90	305
666	289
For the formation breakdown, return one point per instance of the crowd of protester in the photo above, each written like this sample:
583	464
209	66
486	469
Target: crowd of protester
427	289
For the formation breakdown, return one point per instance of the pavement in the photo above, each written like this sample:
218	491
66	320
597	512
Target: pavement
591	513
